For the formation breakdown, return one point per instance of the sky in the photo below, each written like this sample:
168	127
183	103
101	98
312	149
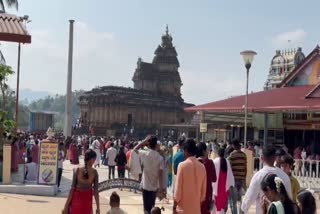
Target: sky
208	35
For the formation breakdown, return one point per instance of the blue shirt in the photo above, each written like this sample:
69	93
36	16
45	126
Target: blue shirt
178	158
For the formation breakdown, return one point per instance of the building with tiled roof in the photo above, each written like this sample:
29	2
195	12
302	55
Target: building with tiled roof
287	114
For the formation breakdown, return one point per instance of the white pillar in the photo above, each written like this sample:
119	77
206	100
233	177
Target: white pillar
68	109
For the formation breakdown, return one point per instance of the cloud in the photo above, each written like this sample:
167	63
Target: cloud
209	86
295	37
44	61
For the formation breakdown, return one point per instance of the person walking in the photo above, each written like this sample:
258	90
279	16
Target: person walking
96	146
151	181
111	156
254	193
121	161
191	182
238	163
276	199
61	158
207	204
73	153
225	180
35	152
84	185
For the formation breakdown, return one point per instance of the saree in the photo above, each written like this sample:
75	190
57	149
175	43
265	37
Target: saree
81	202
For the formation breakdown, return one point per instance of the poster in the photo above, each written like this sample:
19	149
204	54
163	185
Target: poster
48	163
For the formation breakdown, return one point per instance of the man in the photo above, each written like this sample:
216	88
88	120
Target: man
152	176
178	157
60	164
238	162
96	145
111	157
279	154
191	182
287	165
254	192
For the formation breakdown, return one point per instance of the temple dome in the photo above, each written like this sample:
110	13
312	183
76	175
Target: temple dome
278	58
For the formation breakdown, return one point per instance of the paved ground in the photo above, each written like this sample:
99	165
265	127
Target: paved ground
130	202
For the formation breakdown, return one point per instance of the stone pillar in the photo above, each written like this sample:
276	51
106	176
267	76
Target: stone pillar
68	109
6	167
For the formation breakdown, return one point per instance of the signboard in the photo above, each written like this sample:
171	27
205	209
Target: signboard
119	183
48	163
203	127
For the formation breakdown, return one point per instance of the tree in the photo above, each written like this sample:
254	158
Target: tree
5	71
9	3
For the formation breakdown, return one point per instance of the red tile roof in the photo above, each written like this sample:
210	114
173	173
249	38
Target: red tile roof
275	100
12	29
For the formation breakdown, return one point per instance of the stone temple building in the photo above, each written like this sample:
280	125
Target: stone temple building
281	66
155	98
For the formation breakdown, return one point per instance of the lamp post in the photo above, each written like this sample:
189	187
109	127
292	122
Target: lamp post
247	58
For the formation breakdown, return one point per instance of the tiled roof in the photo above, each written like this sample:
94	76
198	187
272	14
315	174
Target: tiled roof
12	29
275	100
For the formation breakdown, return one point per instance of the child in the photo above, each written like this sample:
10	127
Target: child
157	210
115	204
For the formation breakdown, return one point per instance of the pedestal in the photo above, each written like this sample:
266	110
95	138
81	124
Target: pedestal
6	167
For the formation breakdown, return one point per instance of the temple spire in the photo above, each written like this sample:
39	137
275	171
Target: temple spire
167	30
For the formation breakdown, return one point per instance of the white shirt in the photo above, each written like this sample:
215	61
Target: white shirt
134	164
111	155
254	192
151	161
32	171
96	146
116	210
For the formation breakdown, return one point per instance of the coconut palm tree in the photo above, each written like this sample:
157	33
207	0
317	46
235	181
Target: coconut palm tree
9	3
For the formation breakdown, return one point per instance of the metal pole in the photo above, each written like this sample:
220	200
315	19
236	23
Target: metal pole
18	86
68	109
246	110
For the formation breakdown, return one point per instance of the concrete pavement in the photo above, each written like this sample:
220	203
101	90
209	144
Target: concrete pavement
27	204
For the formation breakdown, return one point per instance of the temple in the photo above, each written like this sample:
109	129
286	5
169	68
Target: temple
287	114
281	65
155	98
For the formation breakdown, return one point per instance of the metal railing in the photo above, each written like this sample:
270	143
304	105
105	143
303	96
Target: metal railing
306	171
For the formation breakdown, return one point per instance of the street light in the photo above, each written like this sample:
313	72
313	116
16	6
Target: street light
247	58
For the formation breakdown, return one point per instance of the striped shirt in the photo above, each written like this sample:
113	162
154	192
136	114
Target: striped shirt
238	162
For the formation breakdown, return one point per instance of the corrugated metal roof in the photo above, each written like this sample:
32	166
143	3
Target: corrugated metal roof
12	29
275	100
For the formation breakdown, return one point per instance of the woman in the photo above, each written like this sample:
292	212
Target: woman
225	180
84	185
276	199
121	161
202	155
73	153
306	202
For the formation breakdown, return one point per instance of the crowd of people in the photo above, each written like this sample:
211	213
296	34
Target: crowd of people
204	177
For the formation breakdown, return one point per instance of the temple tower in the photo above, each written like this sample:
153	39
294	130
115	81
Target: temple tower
161	76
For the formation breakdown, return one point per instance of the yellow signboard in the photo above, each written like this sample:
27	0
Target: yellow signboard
203	127
48	163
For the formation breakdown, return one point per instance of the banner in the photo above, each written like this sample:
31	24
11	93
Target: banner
203	127
119	183
48	163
